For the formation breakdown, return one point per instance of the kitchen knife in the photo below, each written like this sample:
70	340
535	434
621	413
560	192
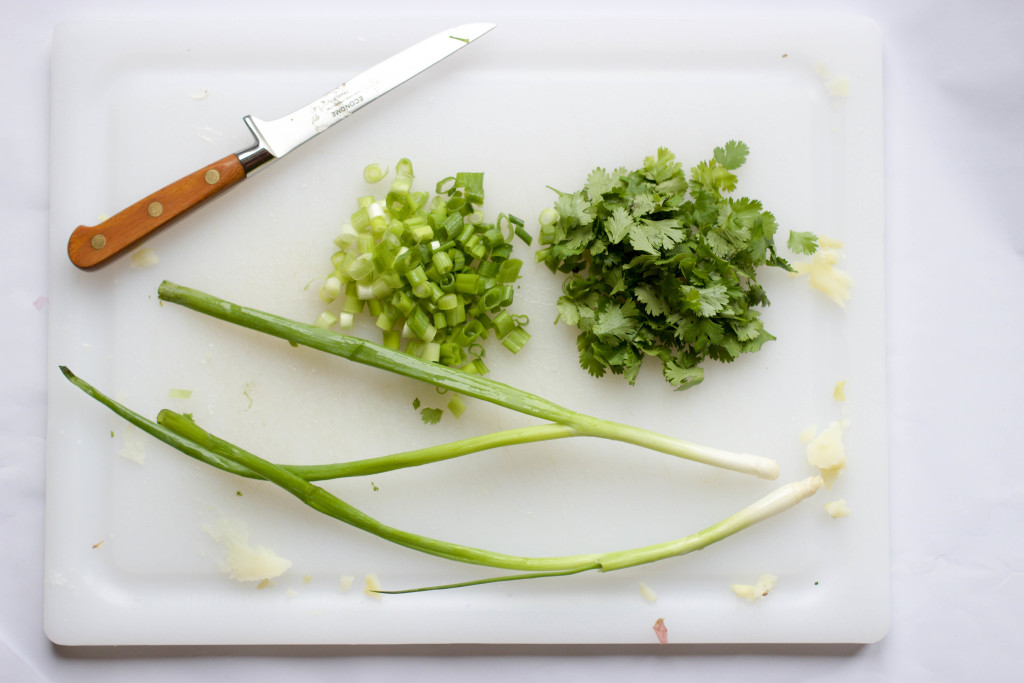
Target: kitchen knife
93	246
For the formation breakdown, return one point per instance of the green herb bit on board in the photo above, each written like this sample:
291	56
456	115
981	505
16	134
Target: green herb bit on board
663	264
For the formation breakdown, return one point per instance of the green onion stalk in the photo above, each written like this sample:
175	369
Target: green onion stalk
198	444
563	421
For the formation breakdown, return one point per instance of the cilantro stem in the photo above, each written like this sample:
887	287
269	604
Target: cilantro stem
331	505
458	381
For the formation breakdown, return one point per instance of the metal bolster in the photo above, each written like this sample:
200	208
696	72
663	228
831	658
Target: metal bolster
257	156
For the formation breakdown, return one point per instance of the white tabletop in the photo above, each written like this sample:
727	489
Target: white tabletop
953	74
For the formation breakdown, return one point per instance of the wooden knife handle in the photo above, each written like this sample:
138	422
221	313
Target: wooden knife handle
93	246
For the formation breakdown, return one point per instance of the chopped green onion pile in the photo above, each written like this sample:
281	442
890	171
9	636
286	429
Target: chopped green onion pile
433	275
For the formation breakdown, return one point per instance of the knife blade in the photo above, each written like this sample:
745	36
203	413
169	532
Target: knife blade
90	247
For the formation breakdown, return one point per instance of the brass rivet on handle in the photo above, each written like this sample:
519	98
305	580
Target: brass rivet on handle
212	176
98	241
155	209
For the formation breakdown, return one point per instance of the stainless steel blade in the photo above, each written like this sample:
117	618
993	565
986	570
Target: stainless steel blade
276	138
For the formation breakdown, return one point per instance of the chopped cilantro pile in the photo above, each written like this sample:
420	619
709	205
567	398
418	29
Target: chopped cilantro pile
661	263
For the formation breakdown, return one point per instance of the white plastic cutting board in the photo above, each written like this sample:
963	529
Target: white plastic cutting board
538	102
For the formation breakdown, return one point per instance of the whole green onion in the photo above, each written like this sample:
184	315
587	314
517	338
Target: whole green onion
459	381
195	442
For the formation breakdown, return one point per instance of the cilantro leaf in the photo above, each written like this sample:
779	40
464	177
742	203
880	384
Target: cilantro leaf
615	321
745	211
733	155
682	377
726	351
802	242
748	330
711	300
431	416
568	312
755	344
672	187
768	225
588	361
577	239
574	206
703	333
653	304
598	182
644	236
662	166
642	204
669	231
616	281
618	224
713	177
